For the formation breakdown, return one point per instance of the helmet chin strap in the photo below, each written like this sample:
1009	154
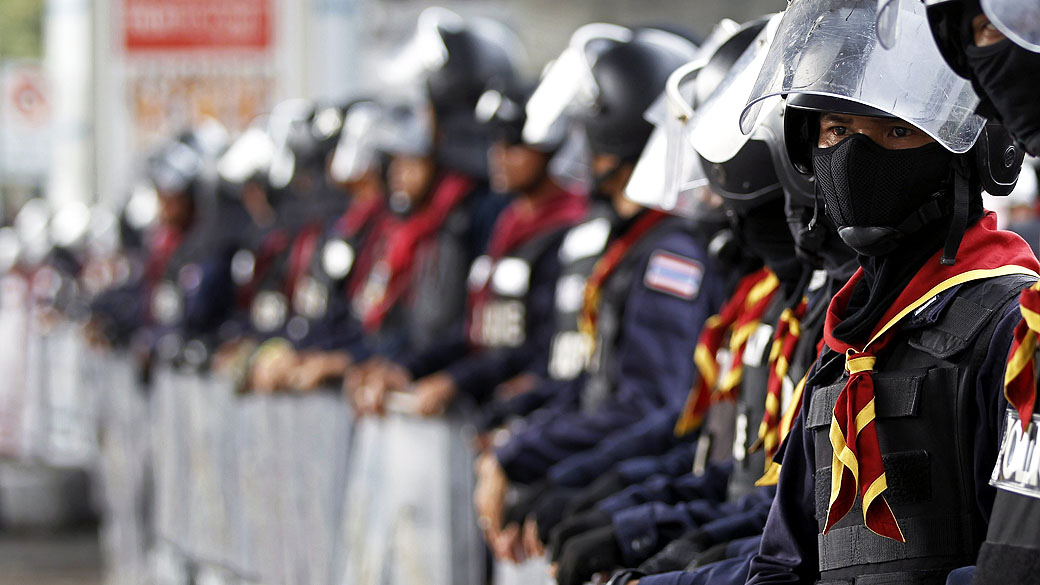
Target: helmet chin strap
961	203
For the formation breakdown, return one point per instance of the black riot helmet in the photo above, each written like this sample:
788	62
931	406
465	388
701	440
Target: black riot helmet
311	139
454	59
911	83
746	179
186	164
1018	20
628	76
502	110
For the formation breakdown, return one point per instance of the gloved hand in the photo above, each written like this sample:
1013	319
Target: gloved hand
573	527
584	556
713	554
548	511
527	499
605	485
676	555
626	576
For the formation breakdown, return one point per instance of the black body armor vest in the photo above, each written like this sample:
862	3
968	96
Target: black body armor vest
925	389
503	322
582	247
330	267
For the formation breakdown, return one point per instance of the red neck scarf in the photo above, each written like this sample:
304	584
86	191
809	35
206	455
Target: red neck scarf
1020	375
520	222
785	341
358	215
164	244
300	255
272	245
985	252
404	242
606	265
737	320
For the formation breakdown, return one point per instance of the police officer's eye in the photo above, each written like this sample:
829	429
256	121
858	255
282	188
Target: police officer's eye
838	130
985	32
901	132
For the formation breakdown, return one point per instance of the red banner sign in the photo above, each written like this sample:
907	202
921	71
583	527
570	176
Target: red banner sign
179	25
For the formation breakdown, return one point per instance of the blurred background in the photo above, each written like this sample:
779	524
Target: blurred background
88	86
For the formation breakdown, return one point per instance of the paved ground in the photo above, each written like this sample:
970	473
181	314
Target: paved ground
47	559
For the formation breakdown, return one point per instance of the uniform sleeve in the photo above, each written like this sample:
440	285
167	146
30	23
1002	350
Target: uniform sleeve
208	305
728	572
436	357
530	453
121	310
644	530
788	553
660	331
992	406
648	437
710	485
677	461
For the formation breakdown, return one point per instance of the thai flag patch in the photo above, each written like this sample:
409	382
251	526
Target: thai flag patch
674	275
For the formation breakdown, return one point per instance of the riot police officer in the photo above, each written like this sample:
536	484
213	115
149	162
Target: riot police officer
510	302
182	173
624	270
870	486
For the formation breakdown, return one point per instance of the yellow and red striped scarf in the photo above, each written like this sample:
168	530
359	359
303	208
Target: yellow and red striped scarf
1020	376
785	340
606	265
857	468
738	319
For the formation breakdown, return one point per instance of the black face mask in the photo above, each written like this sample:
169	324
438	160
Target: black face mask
872	193
765	233
1005	74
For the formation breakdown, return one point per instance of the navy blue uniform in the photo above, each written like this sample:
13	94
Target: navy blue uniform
476	371
789	545
653	365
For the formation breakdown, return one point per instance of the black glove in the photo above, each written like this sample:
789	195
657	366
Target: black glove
626	576
606	485
714	554
588	554
527	499
575	526
676	555
548	512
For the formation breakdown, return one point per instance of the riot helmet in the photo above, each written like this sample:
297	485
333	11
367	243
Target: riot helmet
995	45
356	151
605	79
827	60
186	164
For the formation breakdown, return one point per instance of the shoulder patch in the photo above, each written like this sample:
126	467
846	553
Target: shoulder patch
674	275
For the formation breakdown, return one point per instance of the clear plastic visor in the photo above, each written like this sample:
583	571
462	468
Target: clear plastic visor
405	129
714	129
250	154
830	48
682	190
1019	20
355	151
568	82
887	22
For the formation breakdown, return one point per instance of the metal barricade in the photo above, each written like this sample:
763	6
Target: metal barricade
529	572
67	411
409	515
122	464
14	320
171	467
